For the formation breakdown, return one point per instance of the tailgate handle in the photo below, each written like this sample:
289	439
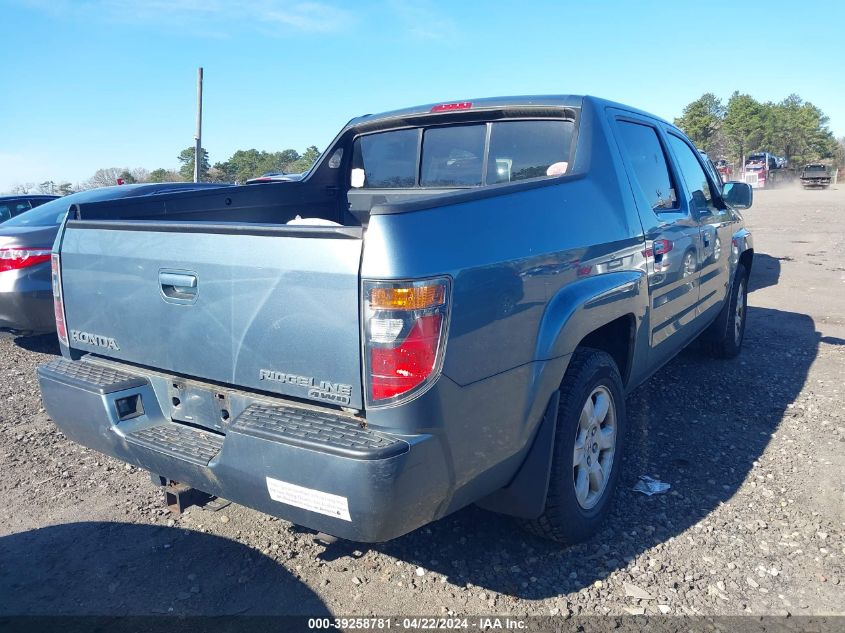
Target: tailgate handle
178	285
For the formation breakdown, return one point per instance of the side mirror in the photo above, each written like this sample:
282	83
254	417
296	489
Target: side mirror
739	195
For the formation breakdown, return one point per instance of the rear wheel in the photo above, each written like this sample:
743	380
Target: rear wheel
588	449
688	267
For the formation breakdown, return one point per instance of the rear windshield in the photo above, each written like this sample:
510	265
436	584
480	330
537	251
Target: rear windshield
470	155
9	209
48	214
815	168
52	213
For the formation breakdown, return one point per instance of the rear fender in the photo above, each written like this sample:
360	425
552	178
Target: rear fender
586	305
576	310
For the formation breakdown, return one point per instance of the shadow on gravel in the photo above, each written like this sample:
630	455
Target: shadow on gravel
766	271
833	340
41	343
121	569
698	424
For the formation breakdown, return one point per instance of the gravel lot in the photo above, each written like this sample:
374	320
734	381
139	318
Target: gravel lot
753	523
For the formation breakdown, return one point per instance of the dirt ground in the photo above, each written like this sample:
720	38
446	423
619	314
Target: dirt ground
753	523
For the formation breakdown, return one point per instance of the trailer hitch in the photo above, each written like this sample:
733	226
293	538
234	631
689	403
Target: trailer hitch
179	497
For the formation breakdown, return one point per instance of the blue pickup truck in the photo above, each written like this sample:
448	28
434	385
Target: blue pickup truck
449	308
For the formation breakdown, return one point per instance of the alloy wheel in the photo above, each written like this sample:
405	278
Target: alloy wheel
595	446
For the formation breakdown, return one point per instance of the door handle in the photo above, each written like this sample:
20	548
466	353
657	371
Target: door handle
178	285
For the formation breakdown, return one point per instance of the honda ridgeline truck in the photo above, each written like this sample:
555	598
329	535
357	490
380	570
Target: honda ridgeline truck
450	308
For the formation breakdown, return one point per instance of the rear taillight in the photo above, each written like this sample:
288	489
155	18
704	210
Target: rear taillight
16	258
405	327
658	247
58	299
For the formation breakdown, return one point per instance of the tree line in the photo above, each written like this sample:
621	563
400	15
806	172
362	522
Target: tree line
792	128
240	167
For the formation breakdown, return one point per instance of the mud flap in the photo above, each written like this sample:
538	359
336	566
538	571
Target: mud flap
525	496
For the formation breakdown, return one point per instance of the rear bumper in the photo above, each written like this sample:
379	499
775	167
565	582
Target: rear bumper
310	466
26	299
816	182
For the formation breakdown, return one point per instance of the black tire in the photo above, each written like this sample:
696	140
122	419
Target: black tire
564	519
722	339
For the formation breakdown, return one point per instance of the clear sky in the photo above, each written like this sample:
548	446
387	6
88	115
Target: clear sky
86	84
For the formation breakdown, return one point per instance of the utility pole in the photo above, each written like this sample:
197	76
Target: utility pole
198	135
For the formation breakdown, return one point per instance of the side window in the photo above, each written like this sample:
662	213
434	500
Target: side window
701	196
20	207
715	174
5	212
388	160
651	172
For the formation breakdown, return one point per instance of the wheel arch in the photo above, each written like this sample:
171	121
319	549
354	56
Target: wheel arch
603	312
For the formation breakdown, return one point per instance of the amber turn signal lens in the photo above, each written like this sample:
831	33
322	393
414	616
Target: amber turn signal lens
408	298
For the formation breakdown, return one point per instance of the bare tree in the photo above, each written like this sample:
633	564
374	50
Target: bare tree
140	174
104	177
109	176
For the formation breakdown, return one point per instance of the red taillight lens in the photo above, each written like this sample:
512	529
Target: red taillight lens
58	299
404	337
659	247
397	370
17	258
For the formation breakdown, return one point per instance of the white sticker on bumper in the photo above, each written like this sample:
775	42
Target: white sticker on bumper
308	499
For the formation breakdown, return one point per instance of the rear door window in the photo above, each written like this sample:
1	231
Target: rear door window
651	171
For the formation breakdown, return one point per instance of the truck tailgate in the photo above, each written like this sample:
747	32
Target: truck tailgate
272	308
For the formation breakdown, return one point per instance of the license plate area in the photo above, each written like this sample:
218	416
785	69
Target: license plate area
199	406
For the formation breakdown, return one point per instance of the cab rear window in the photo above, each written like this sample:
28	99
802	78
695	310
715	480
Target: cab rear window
453	156
386	160
469	155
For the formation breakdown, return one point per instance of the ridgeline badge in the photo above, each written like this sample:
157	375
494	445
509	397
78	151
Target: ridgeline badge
322	390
